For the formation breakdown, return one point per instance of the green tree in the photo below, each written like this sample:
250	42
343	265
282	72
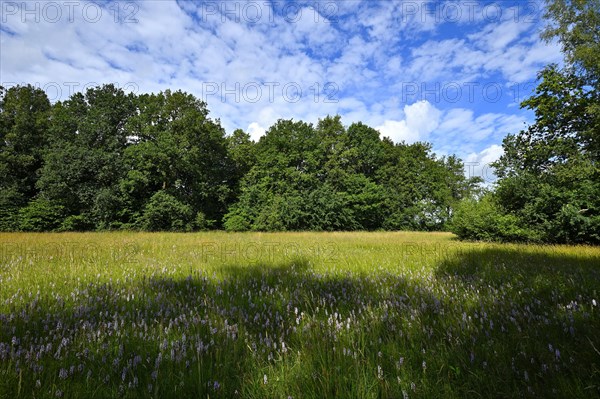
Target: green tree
24	121
164	212
241	152
85	160
332	178
177	148
549	174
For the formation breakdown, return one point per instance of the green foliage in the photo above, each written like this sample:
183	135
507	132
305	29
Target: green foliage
113	160
328	177
163	212
575	24
76	223
41	215
549	173
10	198
176	147
236	221
202	223
484	220
84	161
24	120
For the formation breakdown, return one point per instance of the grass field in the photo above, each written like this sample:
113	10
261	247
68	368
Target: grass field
300	315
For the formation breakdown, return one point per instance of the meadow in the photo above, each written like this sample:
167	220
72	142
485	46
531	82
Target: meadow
295	315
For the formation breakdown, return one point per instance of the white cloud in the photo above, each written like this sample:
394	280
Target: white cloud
255	131
478	164
421	118
366	49
462	132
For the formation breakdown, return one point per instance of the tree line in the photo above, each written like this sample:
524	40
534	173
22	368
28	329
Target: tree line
105	159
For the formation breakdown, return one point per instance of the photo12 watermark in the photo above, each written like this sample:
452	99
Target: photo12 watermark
485	171
53	12
19	253
405	12
269	12
60	91
471	251
258	251
465	92
271	92
458	12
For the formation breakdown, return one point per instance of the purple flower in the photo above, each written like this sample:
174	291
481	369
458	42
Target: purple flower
62	374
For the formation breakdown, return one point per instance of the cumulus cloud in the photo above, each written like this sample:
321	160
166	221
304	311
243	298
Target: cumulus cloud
255	131
421	118
346	58
479	164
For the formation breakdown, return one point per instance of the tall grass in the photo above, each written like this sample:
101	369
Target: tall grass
298	315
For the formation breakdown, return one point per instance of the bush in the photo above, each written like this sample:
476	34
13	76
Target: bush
163	212
41	215
9	209
202	223
76	223
236	222
572	225
484	220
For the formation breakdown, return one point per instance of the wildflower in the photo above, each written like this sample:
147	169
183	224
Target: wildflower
265	379
62	374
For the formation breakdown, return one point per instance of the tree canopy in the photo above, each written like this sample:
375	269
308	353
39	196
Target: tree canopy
105	159
549	176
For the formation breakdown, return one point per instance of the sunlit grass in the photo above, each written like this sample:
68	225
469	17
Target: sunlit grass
295	315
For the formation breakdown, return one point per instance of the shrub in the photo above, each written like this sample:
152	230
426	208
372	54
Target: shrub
236	222
163	212
41	215
202	223
484	220
76	223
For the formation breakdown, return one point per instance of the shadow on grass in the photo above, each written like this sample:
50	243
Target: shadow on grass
488	322
542	304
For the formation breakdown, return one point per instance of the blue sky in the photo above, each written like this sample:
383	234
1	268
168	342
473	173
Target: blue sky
451	73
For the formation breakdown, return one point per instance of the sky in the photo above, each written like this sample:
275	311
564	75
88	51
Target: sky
450	73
